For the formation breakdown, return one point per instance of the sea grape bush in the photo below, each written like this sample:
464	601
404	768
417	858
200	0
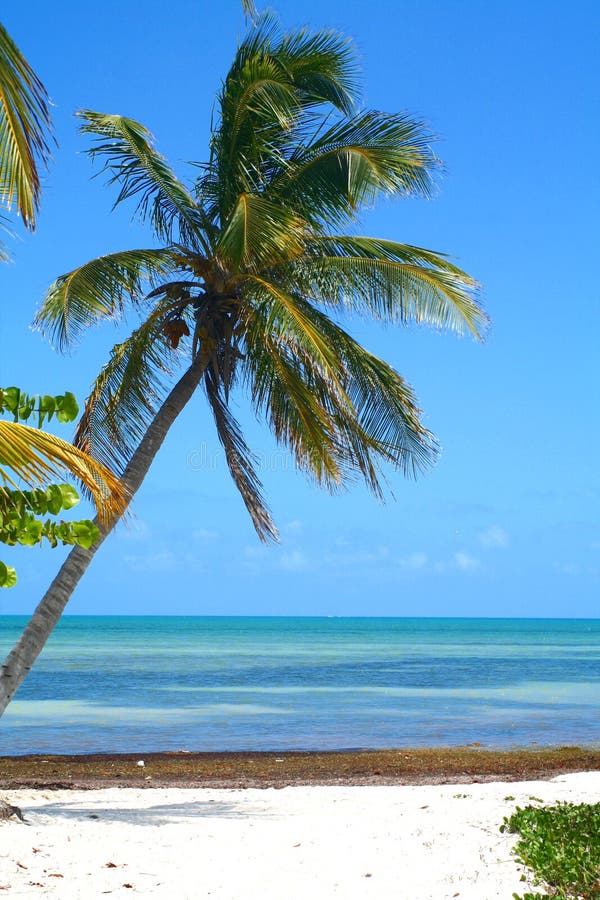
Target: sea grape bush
21	510
22	406
561	844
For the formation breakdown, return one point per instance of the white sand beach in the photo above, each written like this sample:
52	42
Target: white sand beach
407	843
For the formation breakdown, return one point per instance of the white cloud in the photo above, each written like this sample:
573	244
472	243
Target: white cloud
293	527
205	534
134	530
161	561
414	561
296	561
465	562
254	551
494	536
356	557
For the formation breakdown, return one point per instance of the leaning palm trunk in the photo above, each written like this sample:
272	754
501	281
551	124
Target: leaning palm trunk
51	607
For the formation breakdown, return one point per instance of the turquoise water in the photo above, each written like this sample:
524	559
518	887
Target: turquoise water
169	683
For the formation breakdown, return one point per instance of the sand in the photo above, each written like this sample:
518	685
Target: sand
427	842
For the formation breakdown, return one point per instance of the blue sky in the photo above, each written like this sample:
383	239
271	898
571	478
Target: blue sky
507	523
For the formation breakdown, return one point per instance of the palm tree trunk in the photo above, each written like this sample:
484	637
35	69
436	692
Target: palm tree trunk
49	610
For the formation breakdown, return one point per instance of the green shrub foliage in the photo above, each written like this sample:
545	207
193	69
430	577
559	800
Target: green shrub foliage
561	844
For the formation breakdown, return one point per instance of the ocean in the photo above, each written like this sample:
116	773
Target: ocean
133	684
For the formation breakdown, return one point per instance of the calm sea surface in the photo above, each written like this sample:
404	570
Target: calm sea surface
169	683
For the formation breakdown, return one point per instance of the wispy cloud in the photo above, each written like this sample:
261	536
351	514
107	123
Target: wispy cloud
293	527
493	537
294	561
465	562
153	562
205	534
414	561
354	557
134	530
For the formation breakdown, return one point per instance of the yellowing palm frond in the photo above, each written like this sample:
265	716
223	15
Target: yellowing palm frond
36	458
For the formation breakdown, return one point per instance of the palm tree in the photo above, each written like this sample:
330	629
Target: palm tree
255	260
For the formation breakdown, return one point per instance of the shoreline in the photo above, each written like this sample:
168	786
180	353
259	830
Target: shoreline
278	769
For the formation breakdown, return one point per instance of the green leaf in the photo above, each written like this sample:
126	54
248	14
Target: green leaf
11	397
86	533
8	576
55	499
67	407
69	496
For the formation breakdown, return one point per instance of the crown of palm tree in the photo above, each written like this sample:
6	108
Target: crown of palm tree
258	257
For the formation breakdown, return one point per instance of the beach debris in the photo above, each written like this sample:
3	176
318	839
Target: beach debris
110	865
127	885
7	810
279	759
55	875
141	763
21	865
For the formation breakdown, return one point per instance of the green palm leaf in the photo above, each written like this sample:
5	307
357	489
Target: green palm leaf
24	130
337	407
100	289
241	461
260	233
128	392
127	151
354	162
391	281
274	83
249	8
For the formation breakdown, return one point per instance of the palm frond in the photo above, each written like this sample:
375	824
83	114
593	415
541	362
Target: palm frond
337	422
37	458
100	289
282	392
323	66
127	151
290	318
348	166
25	131
240	460
260	233
274	83
249	8
128	392
391	281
